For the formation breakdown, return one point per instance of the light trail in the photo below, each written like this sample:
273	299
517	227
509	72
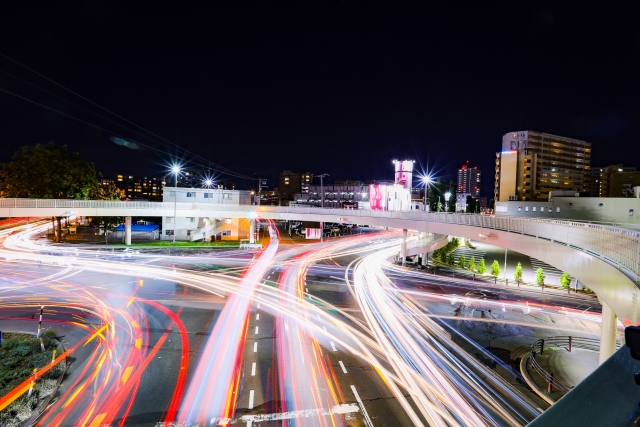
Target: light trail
407	349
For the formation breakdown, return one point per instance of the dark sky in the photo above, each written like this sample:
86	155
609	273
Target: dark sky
329	87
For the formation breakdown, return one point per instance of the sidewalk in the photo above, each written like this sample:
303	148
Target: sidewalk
570	368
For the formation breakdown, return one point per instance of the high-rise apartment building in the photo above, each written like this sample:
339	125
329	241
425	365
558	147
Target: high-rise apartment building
291	183
608	181
531	164
138	187
469	180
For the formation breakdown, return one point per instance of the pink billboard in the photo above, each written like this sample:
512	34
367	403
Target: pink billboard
378	197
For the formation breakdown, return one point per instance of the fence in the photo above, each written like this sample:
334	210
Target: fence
566	342
615	243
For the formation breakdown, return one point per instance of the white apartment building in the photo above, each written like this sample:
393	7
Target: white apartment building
202	228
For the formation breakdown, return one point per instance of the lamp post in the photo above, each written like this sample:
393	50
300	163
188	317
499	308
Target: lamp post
322	204
176	170
427	181
447	196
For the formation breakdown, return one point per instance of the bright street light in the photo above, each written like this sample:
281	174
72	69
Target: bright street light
427	180
208	183
176	170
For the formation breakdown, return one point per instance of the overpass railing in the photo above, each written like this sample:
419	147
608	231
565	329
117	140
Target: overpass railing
614	243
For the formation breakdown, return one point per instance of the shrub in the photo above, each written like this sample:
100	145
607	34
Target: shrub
565	280
451	259
472	264
462	262
540	277
518	273
481	267
495	268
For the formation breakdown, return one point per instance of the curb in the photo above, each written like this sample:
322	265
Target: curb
537	390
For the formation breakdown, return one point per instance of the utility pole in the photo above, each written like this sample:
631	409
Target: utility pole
259	189
322	204
505	262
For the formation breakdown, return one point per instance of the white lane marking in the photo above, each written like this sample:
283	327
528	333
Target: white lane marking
258	305
250	399
342	366
257	316
307	289
253	369
255	347
347	408
367	420
256	330
333	346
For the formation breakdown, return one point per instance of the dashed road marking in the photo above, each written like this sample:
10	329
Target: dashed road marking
333	346
251	393
253	369
342	366
367	420
255	347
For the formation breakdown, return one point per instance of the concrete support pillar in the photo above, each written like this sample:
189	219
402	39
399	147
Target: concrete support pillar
607	333
252	230
55	230
403	248
425	258
127	230
59	233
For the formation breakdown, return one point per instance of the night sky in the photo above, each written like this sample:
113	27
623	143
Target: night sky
328	87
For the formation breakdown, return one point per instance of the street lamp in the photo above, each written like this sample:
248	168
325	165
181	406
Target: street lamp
427	181
447	196
176	170
322	205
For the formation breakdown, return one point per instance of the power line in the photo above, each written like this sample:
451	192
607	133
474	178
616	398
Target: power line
220	168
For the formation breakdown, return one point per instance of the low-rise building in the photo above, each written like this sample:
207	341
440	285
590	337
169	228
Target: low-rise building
200	228
620	210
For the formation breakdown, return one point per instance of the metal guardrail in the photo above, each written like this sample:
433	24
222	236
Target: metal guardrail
566	342
613	243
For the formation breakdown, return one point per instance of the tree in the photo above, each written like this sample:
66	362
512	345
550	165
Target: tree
540	277
481	267
565	280
471	205
108	192
518	273
472	264
451	205
436	196
47	171
462	262
495	268
451	259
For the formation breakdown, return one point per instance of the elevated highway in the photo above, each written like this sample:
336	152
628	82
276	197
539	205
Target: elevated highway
605	258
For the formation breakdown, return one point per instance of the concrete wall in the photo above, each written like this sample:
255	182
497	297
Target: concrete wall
595	209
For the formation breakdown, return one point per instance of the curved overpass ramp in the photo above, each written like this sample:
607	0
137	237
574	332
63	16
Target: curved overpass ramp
604	258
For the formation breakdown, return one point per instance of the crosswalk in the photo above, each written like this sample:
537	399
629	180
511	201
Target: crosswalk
549	270
478	254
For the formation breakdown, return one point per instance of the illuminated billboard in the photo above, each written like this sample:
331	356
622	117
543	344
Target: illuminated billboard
404	173
378	197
